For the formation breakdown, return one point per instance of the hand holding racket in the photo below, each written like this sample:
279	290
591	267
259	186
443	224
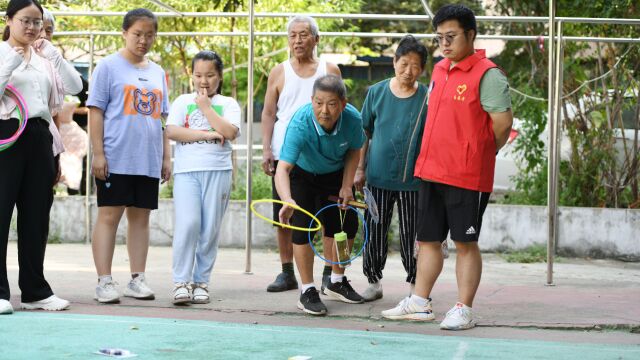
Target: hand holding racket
369	204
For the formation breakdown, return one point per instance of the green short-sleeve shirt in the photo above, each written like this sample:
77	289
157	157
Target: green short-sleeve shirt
494	91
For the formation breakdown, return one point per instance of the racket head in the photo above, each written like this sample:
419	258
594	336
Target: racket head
371	204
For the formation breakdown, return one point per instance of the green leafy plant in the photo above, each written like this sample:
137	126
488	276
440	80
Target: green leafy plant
532	254
260	184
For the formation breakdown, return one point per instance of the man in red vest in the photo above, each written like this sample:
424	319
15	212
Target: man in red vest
468	121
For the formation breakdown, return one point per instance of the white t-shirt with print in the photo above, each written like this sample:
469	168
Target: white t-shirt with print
202	155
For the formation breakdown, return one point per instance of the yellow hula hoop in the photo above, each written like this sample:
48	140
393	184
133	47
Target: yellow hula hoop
295	207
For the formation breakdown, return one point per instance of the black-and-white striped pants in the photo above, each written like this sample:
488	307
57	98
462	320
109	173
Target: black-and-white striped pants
375	254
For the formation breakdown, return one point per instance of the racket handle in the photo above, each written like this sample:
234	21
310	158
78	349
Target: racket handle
353	203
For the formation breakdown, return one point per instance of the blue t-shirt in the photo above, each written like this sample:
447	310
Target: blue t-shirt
134	100
309	146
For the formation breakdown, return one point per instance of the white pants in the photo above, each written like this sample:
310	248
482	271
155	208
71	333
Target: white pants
200	200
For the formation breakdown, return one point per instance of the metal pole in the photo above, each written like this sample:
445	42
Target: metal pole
163	5
402	17
249	143
87	181
351	35
551	176
557	92
552	166
427	9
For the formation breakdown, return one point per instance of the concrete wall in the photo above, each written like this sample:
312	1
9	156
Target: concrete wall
593	232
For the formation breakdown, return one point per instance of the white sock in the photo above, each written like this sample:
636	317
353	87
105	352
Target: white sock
418	300
136	274
306	287
104	279
376	285
336	278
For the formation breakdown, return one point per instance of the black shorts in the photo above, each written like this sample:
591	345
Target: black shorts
128	190
443	208
311	192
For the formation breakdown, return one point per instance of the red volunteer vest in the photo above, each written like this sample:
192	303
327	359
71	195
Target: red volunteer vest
458	146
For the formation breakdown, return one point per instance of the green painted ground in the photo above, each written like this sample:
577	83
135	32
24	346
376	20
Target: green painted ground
69	336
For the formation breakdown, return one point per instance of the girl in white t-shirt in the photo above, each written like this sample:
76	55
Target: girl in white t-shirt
202	124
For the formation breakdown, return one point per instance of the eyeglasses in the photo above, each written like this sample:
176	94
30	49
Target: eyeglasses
449	38
27	23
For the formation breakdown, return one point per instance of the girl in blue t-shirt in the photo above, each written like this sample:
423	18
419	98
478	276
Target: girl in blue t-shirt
202	123
127	101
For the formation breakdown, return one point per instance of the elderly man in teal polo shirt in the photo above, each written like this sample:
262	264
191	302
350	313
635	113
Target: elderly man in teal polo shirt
318	159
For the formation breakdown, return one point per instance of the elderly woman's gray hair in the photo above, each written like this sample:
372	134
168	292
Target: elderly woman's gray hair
48	16
313	25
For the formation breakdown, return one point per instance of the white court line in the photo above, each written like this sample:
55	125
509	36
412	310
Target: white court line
534	344
463	346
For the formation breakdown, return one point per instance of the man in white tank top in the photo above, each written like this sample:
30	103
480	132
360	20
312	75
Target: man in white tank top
289	87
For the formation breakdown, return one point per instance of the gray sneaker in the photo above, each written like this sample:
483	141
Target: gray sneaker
373	292
284	281
106	293
137	288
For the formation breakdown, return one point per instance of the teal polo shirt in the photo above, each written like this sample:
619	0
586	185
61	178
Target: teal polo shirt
308	146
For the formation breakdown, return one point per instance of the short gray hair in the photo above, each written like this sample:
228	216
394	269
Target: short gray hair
313	25
331	83
48	16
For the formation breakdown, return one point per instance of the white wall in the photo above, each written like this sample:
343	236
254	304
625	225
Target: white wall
593	232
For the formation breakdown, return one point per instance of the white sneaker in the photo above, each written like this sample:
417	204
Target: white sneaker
373	292
5	307
106	292
409	310
52	303
137	288
181	294
460	317
200	293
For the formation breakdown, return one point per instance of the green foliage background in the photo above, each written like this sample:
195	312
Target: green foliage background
590	175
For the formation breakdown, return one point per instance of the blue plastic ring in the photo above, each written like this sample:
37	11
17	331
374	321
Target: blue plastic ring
366	235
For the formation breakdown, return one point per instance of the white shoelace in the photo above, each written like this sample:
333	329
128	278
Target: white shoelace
111	285
404	304
459	312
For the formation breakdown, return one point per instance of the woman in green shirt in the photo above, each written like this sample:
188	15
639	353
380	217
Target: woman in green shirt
393	117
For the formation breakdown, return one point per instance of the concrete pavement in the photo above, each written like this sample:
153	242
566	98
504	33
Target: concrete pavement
594	301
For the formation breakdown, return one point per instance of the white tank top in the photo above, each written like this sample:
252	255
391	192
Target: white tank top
295	93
